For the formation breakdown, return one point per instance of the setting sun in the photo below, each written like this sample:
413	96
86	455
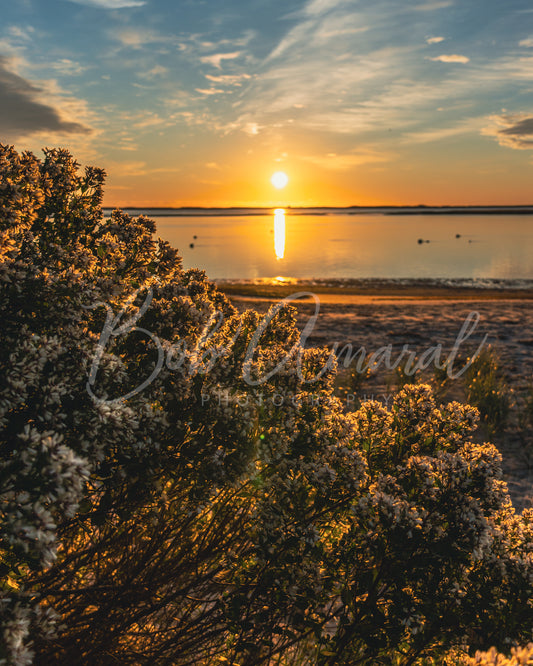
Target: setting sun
279	179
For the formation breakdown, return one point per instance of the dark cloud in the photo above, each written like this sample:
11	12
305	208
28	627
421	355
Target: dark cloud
513	130
21	113
523	127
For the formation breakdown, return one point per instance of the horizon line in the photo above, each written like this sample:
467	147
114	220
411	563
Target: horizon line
329	206
485	208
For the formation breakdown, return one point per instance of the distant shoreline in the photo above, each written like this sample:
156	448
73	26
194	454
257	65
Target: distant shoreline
380	289
327	210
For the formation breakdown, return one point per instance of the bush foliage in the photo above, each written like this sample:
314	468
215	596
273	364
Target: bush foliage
207	519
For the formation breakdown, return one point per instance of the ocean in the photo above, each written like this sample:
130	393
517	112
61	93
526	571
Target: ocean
457	245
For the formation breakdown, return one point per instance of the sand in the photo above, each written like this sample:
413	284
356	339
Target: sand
423	319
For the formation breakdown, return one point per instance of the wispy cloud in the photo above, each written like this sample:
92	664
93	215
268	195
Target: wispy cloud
513	130
134	168
453	58
325	23
27	109
149	120
344	161
25	34
317	7
67	67
228	79
319	78
157	70
526	42
137	37
210	91
245	38
433	6
110	4
506	69
127	168
216	59
468	126
251	128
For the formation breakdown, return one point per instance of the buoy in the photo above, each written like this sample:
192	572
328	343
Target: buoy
191	245
420	241
458	235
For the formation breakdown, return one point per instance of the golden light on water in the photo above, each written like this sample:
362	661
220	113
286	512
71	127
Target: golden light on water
279	233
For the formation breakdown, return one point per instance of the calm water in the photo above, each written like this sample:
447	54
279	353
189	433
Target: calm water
353	246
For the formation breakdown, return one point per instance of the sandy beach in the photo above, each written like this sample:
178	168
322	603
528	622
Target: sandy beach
422	319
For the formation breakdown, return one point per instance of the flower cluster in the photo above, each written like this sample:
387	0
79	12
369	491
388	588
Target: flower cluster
519	657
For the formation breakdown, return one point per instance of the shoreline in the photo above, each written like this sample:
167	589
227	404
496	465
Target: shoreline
420	209
361	291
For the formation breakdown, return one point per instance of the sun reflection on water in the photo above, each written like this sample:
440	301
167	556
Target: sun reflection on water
279	233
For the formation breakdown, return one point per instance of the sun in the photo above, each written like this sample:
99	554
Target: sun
279	179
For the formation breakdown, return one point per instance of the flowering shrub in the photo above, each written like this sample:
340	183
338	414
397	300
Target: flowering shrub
519	657
226	512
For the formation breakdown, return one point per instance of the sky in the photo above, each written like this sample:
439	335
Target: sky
198	102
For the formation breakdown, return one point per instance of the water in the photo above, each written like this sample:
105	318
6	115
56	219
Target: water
334	244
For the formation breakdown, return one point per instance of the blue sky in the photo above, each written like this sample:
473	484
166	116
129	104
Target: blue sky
197	102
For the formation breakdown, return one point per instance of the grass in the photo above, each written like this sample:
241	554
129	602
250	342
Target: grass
487	389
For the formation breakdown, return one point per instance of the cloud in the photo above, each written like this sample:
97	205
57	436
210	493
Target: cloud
331	32
217	58
317	7
131	169
365	92
209	91
452	58
134	168
527	42
67	67
252	129
24	111
335	71
337	27
137	37
110	4
335	162
228	79
246	37
23	34
513	130
468	126
157	70
432	6
149	119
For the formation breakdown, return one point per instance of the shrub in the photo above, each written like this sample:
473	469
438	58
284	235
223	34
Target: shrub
210	518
